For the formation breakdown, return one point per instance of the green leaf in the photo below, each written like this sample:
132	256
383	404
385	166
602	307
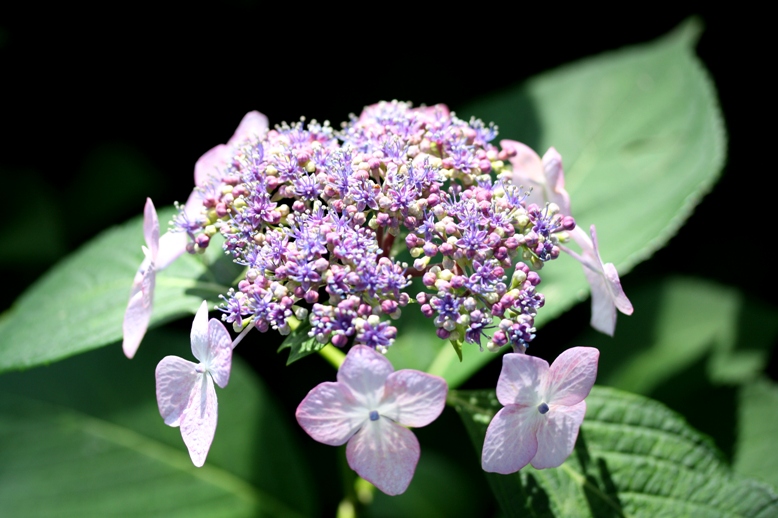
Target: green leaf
300	344
642	139
79	304
101	448
755	452
634	457
440	488
682	321
689	344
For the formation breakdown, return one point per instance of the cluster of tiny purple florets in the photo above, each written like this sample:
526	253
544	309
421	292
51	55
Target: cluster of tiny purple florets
319	217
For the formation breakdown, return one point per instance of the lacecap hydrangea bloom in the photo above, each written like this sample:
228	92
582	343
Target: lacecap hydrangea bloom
332	226
318	217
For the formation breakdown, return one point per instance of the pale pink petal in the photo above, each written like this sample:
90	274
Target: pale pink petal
253	126
557	435
219	362
528	171
199	334
176	379
433	112
603	309
527	165
607	293
151	229
171	246
571	376
198	422
511	440
330	414
211	164
612	280
194	204
138	312
385	454
617	292
413	398
555	180
214	161
364	372
520	379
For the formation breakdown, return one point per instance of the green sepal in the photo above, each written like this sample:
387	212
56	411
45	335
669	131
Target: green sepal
457	344
300	344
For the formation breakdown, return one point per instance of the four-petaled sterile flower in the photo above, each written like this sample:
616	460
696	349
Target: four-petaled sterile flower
159	252
543	410
369	407
185	392
607	293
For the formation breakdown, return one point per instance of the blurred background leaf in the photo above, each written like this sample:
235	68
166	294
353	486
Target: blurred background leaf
696	346
84	437
755	452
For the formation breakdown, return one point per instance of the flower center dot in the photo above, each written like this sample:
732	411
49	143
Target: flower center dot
374	415
542	408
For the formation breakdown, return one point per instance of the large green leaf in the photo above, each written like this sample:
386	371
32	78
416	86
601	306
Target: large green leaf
101	448
79	304
634	457
755	452
642	140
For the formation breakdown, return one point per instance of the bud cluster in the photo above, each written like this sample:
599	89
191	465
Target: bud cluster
326	223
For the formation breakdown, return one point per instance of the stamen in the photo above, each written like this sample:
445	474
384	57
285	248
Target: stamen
542	408
374	415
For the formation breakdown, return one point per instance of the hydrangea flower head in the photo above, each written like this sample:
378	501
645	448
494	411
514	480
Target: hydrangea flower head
185	393
543	410
318	217
369	407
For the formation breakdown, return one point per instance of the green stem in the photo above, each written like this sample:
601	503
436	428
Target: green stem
333	355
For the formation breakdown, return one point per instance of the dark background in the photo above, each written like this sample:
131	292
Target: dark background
98	115
95	116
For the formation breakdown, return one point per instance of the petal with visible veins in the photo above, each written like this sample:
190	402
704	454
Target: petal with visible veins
330	414
176	379
385	454
511	439
198	422
413	398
